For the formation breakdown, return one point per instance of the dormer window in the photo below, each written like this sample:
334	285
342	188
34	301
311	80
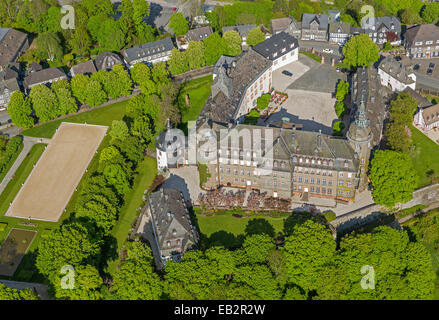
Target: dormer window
275	55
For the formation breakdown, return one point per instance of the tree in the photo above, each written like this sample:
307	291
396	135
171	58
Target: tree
19	109
136	279
337	128
98	7
119	130
81	41
342	90
252	117
393	177
360	51
195	55
79	84
402	108
281	6
141	74
309	248
49	45
430	12
14	294
177	62
125	84
87	285
67	103
99	210
70	244
403	269
397	137
94	93
44	103
143	128
214	48
257	247
233	43
409	16
255	36
263	101
160	74
178	24
340	109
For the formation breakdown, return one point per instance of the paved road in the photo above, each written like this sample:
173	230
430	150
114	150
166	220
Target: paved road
28	144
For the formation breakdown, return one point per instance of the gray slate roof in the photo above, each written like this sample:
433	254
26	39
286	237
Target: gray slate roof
422	32
171	220
322	20
344	27
10	44
87	67
44	75
275	44
396	69
243	30
106	60
387	22
431	114
11	85
230	84
199	34
148	49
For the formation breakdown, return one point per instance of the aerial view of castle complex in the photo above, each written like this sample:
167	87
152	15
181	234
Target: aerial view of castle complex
219	150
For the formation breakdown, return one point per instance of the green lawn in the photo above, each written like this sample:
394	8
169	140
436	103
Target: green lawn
312	56
211	224
147	171
102	116
198	91
425	156
11	162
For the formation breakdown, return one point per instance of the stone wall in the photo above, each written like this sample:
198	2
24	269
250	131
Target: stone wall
368	214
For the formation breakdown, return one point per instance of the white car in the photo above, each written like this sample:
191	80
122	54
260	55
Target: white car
328	51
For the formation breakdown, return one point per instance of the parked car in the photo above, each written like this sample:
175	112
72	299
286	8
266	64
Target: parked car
430	71
431	65
398	58
338	69
287	73
328	50
416	67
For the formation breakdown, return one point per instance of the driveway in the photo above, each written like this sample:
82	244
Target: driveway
314	110
187	180
282	81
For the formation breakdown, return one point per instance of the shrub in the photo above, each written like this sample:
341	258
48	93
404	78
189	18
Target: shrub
252	117
263	101
338	128
340	109
329	216
3	226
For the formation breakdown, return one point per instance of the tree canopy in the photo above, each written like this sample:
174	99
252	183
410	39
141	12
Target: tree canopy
360	51
393	177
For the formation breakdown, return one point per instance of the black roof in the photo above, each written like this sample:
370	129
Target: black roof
275	44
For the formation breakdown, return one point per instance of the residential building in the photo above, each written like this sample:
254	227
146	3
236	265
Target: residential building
421	101
395	75
339	32
422	41
243	31
34	67
197	34
107	60
288	25
237	83
13	44
173	231
7	88
427	118
383	29
281	49
314	27
151	52
44	76
87	68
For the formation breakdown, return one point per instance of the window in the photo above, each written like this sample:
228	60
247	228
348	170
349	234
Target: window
300	179
221	170
329	191
340	183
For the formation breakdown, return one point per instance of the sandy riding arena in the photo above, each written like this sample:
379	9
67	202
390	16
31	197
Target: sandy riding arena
52	182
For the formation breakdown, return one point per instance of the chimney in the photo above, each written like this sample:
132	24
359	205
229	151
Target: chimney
319	140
